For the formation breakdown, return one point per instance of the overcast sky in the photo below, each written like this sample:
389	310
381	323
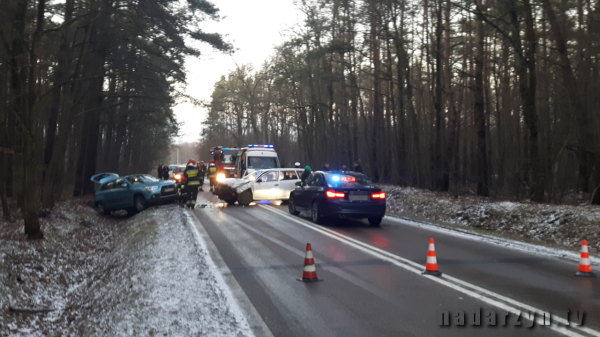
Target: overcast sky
254	27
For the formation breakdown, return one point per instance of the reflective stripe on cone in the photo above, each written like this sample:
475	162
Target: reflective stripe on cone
585	267
310	271
431	267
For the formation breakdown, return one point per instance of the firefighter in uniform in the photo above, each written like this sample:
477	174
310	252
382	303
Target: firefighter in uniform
192	182
212	174
202	173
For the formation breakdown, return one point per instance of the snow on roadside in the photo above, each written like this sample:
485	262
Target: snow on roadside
562	226
111	276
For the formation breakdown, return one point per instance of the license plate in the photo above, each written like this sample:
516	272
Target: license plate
169	189
359	198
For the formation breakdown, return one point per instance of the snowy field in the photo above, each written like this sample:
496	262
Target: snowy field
113	276
559	226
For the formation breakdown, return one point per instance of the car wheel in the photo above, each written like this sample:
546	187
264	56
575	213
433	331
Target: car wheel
245	198
102	209
230	201
292	206
140	203
315	214
375	221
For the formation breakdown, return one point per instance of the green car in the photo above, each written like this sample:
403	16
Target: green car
132	193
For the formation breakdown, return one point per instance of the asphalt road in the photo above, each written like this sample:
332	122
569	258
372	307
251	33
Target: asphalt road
372	283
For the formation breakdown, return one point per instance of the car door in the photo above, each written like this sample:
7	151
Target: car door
287	183
301	192
315	186
105	195
266	186
122	194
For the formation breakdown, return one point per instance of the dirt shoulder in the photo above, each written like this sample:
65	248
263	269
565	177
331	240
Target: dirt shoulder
114	275
560	226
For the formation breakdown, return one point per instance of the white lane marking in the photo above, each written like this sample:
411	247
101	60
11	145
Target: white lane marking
538	250
458	285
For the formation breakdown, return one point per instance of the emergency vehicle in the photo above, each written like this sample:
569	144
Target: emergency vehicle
255	157
225	159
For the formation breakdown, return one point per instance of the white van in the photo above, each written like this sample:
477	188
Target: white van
255	157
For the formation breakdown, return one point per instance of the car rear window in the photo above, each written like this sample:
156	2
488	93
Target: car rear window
344	180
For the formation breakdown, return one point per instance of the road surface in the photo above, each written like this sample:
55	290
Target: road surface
372	283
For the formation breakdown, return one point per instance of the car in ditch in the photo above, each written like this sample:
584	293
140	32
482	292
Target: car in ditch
268	184
338	194
132	193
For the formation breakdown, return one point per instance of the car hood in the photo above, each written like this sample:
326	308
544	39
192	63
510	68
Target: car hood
101	178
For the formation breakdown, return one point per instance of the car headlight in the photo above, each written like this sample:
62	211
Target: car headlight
177	176
220	177
151	188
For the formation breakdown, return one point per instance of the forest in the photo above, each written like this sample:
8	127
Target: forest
498	97
88	86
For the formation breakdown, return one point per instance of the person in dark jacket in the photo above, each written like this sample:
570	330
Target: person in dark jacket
165	172
202	172
160	171
325	167
357	167
306	173
192	183
344	167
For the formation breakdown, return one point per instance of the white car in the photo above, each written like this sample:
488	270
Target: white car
269	184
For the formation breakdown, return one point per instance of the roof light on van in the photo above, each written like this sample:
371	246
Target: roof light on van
262	145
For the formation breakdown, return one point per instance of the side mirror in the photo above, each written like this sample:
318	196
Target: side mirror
125	186
259	181
298	183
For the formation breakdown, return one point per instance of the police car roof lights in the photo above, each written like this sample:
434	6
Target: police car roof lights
261	145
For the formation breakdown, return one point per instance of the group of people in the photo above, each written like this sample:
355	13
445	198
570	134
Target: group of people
326	167
163	172
193	179
356	168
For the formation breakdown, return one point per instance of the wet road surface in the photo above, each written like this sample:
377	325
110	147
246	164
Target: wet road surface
372	283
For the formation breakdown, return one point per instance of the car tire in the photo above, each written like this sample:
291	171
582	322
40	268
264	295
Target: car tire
139	203
315	214
230	201
375	221
102	209
292	206
245	198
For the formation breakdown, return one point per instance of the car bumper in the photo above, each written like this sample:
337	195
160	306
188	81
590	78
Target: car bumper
163	195
354	210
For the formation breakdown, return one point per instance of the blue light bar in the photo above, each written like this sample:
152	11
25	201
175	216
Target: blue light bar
225	148
335	178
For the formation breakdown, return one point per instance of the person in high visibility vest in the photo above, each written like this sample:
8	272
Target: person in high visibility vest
192	183
212	174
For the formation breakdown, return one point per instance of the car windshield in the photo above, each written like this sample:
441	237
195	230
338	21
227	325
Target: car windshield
252	176
229	157
262	162
348	180
142	179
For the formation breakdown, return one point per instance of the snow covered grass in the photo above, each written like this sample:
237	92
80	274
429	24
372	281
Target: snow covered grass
111	276
562	226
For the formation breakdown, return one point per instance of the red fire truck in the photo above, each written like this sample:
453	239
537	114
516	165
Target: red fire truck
225	158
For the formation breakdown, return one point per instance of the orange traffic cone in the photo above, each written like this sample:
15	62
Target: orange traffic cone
431	267
585	268
310	272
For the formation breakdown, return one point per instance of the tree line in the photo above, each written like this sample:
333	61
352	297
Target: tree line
88	86
499	95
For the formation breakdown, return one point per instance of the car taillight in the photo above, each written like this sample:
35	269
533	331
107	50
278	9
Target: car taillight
334	194
378	195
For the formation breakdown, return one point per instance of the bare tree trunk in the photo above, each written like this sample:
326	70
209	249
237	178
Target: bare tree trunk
482	162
